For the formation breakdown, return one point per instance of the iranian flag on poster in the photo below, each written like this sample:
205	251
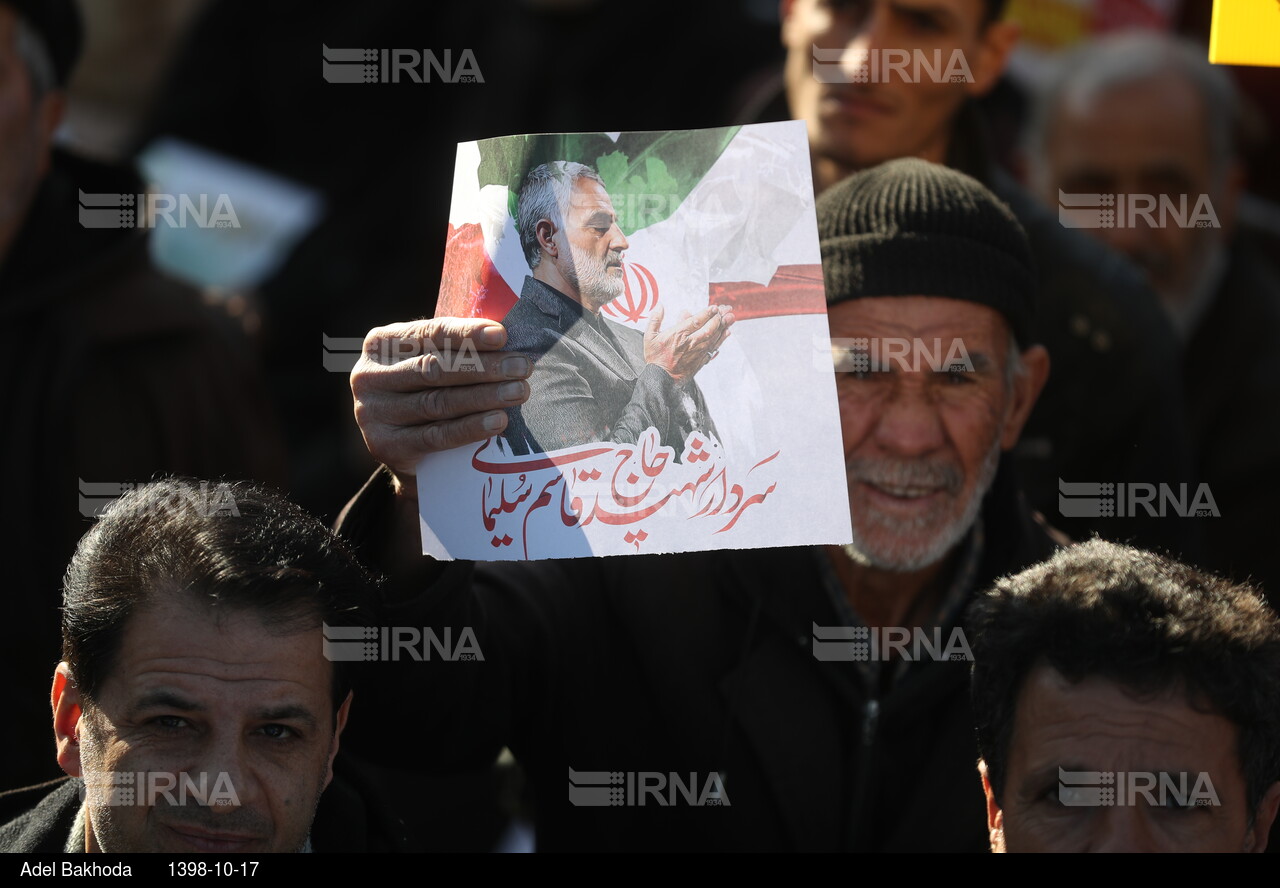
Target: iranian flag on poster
745	453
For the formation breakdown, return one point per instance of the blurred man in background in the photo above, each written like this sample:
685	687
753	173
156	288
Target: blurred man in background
1112	408
111	372
1147	121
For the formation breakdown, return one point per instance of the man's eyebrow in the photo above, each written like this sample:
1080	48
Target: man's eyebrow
982	362
1169	171
288	712
164	698
941	13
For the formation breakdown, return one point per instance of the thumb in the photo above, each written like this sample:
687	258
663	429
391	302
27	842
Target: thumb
655	321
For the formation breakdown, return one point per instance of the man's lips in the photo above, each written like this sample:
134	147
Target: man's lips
211	840
904	496
856	103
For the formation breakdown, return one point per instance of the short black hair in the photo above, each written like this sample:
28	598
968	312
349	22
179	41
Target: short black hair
235	545
1146	622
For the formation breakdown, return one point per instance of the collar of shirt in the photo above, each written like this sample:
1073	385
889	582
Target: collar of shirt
950	609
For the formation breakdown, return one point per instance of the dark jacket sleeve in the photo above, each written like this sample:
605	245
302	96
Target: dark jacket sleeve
460	712
567	406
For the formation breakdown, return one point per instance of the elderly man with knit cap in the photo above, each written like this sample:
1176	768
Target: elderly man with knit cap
707	667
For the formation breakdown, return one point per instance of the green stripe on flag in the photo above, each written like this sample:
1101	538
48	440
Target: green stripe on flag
647	174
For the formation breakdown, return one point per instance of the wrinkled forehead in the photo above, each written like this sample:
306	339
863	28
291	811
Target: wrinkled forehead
227	658
588	197
920	316
1098	721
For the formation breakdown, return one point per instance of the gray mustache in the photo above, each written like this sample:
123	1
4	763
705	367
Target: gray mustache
895	473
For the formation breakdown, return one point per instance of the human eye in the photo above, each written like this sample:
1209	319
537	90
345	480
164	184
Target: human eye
169	722
923	22
279	732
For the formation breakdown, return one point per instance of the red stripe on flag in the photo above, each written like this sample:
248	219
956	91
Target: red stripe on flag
470	286
794	290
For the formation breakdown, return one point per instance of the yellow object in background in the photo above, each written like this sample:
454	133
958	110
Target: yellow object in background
1245	32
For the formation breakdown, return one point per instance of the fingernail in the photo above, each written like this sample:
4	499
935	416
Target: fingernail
494	336
511	391
516	367
494	421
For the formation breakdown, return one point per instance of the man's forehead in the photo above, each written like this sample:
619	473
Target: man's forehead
1097	716
916	316
589	195
218	654
1163	111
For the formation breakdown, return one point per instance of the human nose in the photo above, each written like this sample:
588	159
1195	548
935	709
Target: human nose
909	424
869	35
228	775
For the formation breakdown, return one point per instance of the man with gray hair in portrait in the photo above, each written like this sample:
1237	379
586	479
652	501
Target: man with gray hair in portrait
1145	122
593	379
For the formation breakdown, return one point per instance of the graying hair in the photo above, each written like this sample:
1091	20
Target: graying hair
545	195
1121	59
34	52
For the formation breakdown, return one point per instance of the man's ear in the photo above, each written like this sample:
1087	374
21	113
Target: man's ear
545	232
1026	391
1256	839
340	722
49	113
66	701
995	816
784	16
995	45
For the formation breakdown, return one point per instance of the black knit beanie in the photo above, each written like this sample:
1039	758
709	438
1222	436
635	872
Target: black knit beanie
913	228
58	24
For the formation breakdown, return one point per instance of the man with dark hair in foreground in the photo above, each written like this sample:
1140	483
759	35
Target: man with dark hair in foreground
194	708
1126	702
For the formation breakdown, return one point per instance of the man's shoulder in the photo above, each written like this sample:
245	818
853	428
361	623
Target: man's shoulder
38	819
1057	247
1015	535
534	323
357	811
1086	285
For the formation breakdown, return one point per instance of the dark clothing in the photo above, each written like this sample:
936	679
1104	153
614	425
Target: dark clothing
1112	409
590	381
692	664
351	817
112	373
1231	371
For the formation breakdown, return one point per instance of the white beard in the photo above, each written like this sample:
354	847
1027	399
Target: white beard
907	557
596	286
